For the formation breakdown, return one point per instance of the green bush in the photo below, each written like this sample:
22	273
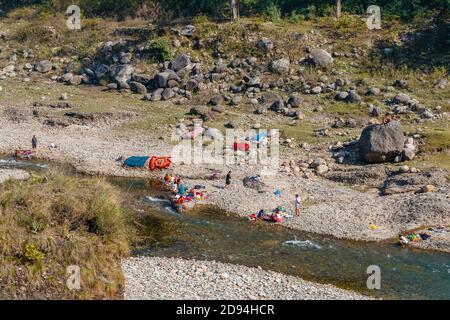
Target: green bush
158	51
273	13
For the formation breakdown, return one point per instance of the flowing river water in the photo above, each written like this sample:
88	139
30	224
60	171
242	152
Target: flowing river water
209	234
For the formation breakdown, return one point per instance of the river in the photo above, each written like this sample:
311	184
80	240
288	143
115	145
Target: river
210	234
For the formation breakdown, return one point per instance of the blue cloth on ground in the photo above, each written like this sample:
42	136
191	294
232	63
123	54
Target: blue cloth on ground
136	161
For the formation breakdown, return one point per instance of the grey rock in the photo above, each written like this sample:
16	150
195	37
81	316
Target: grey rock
353	97
295	100
280	66
217	99
316	90
161	79
373	91
188	30
167	94
101	71
265	45
180	62
381	143
374	111
401	98
138	87
341	96
122	73
44	66
321	58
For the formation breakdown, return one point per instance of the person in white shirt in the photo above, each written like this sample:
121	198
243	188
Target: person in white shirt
402	239
298	205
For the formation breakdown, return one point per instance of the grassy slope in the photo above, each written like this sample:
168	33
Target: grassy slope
48	223
28	29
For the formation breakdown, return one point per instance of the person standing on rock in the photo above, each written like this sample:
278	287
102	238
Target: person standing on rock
228	179
34	142
298	205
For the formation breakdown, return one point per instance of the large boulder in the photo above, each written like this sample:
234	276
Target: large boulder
381	143
320	58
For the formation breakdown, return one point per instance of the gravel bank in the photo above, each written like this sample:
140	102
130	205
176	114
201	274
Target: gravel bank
6	174
329	207
179	279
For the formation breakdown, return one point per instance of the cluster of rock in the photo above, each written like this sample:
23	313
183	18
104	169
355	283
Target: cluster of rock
413	180
306	167
402	103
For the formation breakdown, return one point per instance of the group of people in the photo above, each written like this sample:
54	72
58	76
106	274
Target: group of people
176	187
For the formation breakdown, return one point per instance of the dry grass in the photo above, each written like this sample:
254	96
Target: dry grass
48	223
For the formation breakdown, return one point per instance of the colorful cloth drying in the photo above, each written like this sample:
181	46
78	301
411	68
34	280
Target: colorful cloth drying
159	162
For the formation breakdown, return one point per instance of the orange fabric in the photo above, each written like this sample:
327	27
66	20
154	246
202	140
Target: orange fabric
159	162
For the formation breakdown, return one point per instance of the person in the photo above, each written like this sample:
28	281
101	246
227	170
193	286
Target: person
261	213
298	205
228	179
402	239
182	189
34	142
174	187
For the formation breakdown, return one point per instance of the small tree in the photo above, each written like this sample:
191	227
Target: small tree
234	9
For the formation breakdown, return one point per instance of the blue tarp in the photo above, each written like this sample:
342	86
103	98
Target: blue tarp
259	137
136	161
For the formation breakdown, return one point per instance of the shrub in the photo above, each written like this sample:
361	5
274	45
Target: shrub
36	225
158	51
32	254
273	13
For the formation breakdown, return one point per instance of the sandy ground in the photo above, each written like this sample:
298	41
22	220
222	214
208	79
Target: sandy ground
330	208
178	279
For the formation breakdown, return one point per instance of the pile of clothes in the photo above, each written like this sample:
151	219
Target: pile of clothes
182	197
23	154
276	215
185	201
146	161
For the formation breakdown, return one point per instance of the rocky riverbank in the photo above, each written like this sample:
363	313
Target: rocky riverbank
178	279
330	207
